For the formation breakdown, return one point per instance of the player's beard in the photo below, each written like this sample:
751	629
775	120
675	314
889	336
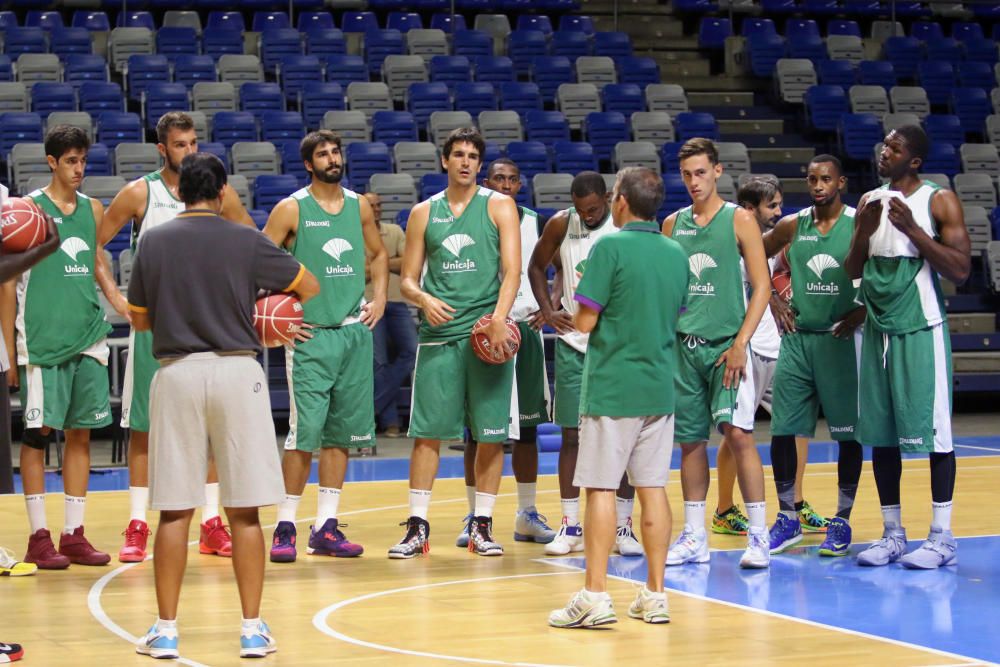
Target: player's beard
171	165
331	177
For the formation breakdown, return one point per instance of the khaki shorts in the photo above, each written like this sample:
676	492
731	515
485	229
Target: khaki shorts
206	406
610	446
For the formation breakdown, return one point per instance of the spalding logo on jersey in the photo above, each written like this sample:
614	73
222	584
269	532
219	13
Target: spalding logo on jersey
698	263
73	246
455	244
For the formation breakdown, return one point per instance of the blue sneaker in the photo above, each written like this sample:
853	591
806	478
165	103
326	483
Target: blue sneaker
530	526
786	532
159	643
329	540
838	538
462	542
258	642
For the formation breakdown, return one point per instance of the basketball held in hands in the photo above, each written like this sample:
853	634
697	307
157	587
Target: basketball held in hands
277	318
481	342
23	225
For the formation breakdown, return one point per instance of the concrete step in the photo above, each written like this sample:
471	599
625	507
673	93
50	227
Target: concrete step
768	127
646	7
672	70
976	362
651	26
716	83
669	56
720	99
974	323
787	155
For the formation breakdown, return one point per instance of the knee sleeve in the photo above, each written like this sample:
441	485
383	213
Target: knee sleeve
33	438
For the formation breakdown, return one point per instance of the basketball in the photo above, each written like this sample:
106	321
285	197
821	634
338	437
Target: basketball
23	225
481	343
276	318
782	278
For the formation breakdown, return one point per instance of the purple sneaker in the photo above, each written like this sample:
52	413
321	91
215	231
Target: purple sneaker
785	532
283	543
330	541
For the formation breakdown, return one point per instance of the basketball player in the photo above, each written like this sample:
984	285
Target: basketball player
906	234
713	382
566	242
148	202
819	355
328	228
627	400
209	397
467	236
62	351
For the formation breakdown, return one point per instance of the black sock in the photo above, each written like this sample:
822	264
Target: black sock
848	474
784	460
942	477
888	466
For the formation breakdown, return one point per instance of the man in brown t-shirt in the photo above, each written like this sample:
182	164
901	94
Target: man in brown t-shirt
396	328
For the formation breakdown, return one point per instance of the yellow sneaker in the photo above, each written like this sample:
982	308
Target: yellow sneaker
11	567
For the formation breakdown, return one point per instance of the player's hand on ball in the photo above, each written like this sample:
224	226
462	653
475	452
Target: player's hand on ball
561	321
498	334
372	312
302	333
436	311
735	359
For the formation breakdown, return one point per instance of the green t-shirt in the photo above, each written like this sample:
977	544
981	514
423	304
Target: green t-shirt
638	281
822	292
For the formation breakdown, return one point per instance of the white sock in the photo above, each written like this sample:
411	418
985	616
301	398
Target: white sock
757	513
288	508
470	493
623	506
138	500
420	500
484	504
167	628
211	508
249	626
327	504
571	510
526	495
942	515
75	505
694	516
36	512
892	516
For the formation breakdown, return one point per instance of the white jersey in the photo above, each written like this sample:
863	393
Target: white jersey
766	340
161	206
525	303
573	253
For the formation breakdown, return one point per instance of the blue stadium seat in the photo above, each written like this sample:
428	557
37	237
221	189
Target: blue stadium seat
6	72
402	217
450	69
493	69
604	130
547	127
798	28
265	21
322	97
91	20
162	97
877	73
47	20
926	30
981	50
277	43
550	72
297	73
764	51
965	31
365	159
942	159
390	127
676	194
276	126
837	73
532	157
325	42
824	106
937	78
99	161
423	99
448	23
870	8
431	184
219	20
843	27
346	69
359	22
571	44
904	53
173	41
809	48
525	45
143	70
857	133
475	97
190	70
259	217
534	22
228	127
217	43
492	152
626	98
972	106
135	19
988	11
755	26
116	127
269	189
576	23
308	21
612	44
404	21
696	124
379	44
668	156
973	74
291	161
216	149
19	128
82	68
712	33
572	157
47	97
18	40
520	97
99	96
472	44
944	129
67	42
945	49
8	19
258	97
640	70
778	7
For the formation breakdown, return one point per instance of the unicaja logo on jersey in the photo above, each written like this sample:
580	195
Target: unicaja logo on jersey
73	246
818	264
697	263
336	248
454	244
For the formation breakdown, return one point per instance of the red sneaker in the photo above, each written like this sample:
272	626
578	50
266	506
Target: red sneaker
43	553
76	547
134	549
215	538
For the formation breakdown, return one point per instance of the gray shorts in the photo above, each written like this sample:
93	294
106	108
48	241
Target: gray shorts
214	406
763	380
610	446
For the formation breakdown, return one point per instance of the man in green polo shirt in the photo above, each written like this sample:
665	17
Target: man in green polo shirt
630	300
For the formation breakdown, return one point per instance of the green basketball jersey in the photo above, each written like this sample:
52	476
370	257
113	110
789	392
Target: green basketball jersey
822	292
462	264
716	303
332	246
58	312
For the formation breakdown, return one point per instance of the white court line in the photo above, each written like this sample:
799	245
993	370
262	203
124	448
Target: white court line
320	621
980	448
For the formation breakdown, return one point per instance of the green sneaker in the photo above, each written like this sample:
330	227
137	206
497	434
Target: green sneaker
810	520
731	522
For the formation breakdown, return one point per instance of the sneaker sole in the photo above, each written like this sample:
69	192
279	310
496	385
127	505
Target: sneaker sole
917	566
696	559
90	563
462	544
334	554
159	653
48	566
786	545
397	556
629	554
587	622
521	537
206	551
490	553
723	530
283	558
658	619
830	553
257	652
755	566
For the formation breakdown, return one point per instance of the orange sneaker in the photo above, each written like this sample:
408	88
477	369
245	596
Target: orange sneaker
215	538
134	549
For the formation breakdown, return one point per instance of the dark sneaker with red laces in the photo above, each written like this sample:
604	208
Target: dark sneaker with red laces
330	541
283	543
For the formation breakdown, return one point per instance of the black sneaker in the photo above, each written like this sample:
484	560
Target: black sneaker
10	652
416	541
481	537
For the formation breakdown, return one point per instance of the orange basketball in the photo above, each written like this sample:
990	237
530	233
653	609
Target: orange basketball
276	318
23	225
481	343
782	278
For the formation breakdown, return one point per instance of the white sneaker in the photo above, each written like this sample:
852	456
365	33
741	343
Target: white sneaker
625	542
462	541
690	547
758	553
530	526
887	550
159	643
568	539
650	607
585	610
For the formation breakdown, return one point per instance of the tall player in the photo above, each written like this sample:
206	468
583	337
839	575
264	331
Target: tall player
61	351
328	228
566	242
466	242
149	202
713	382
819	355
906	234
504	176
